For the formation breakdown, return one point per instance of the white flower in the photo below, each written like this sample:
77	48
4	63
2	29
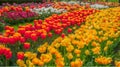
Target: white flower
47	10
99	6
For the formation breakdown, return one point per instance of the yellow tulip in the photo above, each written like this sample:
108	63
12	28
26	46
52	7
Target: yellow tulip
70	56
96	50
87	52
105	60
77	51
35	60
117	63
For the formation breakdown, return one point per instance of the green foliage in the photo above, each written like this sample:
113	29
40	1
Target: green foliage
1	26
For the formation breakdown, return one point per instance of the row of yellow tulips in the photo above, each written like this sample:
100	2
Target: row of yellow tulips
90	45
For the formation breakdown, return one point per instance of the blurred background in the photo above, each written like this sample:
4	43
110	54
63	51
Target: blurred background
25	1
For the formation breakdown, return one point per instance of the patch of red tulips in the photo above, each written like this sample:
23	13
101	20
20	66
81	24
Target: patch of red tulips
20	55
6	52
42	29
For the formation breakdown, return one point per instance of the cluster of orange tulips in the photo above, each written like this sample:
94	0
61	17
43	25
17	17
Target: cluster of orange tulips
69	7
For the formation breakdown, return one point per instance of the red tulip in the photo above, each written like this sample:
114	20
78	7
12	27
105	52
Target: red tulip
8	32
43	35
20	55
58	31
34	37
38	26
69	30
50	34
40	21
4	40
17	36
27	34
47	29
62	35
28	27
22	39
39	32
35	21
5	51
26	46
27	10
64	25
9	55
21	30
9	28
12	40
79	24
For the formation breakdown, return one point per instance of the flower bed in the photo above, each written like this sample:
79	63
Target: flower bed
19	16
12	14
85	37
28	37
90	45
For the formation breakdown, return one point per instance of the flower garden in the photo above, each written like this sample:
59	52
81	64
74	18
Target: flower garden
60	34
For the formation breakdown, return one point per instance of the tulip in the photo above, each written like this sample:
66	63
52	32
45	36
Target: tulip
58	31
50	34
62	35
34	37
47	29
21	30
12	40
9	55
27	34
43	35
40	21
64	25
5	51
22	40
69	30
26	46
20	55
35	60
35	21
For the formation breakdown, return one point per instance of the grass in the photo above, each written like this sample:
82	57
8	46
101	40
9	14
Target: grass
117	52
